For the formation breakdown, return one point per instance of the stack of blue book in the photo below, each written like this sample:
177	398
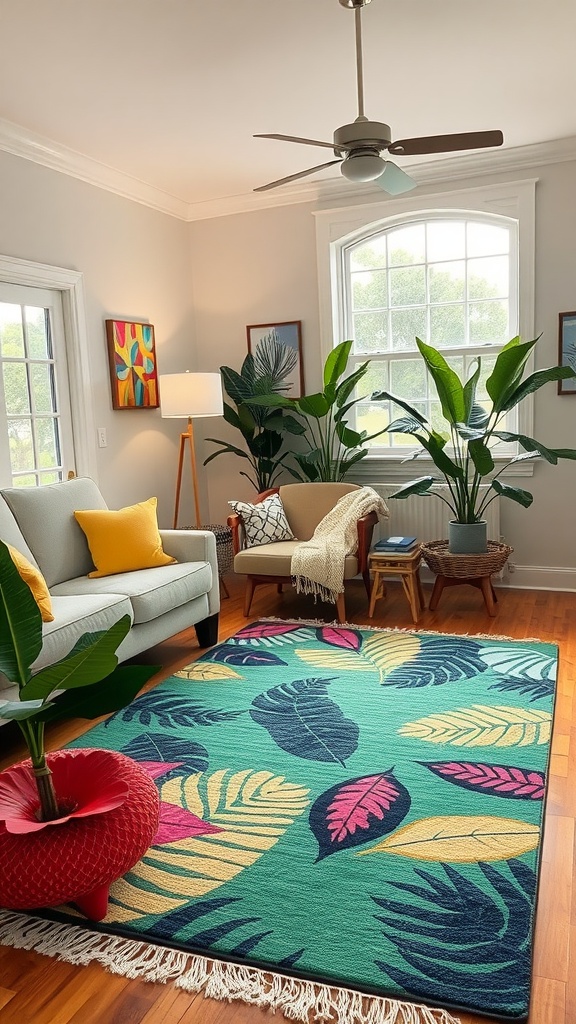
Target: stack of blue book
397	545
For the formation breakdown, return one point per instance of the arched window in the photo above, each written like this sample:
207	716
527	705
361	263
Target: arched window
449	280
455	270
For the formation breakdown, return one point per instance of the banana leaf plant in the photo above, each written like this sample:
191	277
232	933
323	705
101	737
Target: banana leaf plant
332	447
262	430
91	681
464	455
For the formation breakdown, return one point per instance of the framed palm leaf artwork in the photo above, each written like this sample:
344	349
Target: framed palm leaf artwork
133	369
567	351
287	334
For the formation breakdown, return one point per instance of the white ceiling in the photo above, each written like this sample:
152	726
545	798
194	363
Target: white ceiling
171	91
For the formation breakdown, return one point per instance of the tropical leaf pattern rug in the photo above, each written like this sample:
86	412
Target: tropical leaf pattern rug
358	807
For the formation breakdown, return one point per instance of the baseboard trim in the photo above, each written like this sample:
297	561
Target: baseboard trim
527	577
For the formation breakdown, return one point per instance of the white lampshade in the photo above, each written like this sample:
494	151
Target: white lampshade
190	394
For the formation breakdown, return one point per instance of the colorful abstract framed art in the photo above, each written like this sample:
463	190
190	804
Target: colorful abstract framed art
133	369
567	350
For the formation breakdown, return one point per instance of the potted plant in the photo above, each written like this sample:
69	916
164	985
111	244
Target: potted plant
52	806
262	431
463	453
332	447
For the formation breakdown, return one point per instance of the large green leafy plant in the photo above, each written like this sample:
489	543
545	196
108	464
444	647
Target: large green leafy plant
92	682
262	430
332	447
463	454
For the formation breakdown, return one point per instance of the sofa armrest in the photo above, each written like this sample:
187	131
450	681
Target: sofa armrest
195	546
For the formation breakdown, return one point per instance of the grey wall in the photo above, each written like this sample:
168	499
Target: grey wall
135	263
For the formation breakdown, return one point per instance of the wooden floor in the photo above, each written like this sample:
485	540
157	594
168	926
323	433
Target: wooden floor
40	990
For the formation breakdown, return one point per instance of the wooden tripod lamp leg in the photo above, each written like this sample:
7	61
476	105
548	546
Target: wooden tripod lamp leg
184	438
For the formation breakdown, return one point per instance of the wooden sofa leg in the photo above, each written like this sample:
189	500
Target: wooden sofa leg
341	608
207	631
249	594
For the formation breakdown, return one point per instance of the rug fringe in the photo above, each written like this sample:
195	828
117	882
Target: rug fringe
404	629
298	1000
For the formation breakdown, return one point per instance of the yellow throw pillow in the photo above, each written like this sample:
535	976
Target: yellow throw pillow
125	540
35	580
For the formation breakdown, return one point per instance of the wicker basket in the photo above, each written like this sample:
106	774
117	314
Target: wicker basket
440	561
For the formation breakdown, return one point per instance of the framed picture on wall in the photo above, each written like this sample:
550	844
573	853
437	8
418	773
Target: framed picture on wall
288	333
133	369
567	350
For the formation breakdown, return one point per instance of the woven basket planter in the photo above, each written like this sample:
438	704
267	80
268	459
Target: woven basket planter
440	561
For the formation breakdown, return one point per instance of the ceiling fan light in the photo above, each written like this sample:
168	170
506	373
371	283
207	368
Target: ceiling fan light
363	167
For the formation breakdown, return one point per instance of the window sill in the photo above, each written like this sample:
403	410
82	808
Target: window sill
383	469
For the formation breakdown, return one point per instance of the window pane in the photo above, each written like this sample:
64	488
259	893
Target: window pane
370	332
369	290
488	278
46	442
437	420
16	388
375	379
406	245
41	384
20	438
447	282
29	480
487	365
369	254
408	378
447	326
372	417
37	332
408	286
486	239
446	240
488	321
407	325
456	363
11	331
49	478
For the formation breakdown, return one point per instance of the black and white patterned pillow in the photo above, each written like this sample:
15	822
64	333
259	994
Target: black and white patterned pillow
263	523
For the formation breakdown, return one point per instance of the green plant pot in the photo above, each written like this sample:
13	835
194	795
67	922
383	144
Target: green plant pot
467	538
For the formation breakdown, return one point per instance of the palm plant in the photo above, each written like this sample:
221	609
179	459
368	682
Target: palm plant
92	665
332	447
262	430
463	455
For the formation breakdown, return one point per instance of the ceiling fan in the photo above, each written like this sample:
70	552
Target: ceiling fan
358	147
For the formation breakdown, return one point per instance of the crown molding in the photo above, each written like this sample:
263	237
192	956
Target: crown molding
40	150
30	146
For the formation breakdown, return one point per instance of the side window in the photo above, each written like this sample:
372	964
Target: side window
36	443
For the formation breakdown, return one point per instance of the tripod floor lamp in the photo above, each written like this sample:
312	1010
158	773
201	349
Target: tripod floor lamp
187	396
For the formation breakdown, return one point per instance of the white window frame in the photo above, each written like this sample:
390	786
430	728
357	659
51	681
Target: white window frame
70	285
336	229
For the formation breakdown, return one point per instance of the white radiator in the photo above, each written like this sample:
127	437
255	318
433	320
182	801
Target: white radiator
426	517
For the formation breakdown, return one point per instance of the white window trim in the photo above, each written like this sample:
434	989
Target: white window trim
336	228
70	284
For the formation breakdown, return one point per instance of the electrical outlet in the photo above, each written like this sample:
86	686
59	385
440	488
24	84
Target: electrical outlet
511	567
102	440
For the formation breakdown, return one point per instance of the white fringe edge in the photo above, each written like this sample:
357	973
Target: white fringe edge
304	585
298	1000
401	629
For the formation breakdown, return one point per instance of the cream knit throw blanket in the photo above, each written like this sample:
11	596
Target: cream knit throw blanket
317	565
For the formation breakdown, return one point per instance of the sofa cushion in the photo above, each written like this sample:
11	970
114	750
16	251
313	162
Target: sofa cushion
307	504
123	540
46	517
151	591
35	581
265	522
11	533
74	616
275	559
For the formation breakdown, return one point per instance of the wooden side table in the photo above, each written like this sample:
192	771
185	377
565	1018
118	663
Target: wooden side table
383	564
474	570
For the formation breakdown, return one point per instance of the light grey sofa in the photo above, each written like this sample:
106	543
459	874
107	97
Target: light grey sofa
40	523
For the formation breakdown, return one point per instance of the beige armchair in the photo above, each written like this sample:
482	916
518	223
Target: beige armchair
305	506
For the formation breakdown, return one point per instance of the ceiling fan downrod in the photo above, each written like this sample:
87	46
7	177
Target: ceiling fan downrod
356	6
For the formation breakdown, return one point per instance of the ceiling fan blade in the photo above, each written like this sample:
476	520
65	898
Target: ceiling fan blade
305	142
395	181
293	177
445	143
